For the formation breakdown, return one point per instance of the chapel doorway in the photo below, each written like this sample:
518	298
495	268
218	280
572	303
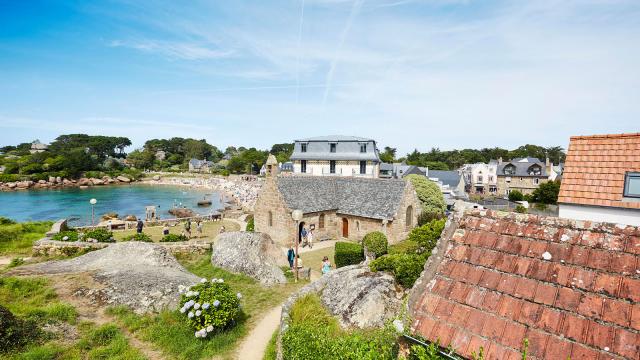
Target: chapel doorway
300	227
345	228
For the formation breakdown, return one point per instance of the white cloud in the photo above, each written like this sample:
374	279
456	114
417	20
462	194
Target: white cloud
176	50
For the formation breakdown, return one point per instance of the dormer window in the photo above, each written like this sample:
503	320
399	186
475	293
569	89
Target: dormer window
303	147
632	184
535	170
363	148
332	147
509	170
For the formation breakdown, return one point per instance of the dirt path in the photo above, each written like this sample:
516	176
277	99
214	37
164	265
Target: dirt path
255	344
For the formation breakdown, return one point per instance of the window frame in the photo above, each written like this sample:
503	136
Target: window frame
332	166
303	166
363	148
333	147
303	147
627	178
363	167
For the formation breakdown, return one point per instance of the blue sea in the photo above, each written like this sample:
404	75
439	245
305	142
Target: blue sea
125	200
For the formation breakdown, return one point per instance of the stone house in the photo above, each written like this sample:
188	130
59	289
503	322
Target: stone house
601	180
481	178
336	156
522	174
335	207
38	147
201	166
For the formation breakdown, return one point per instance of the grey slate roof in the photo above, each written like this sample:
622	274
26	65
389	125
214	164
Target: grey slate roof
336	138
370	198
522	166
347	148
451	178
200	163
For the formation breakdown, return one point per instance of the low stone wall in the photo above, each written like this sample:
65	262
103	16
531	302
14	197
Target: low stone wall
47	247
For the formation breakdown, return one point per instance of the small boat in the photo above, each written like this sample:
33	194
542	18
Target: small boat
204	203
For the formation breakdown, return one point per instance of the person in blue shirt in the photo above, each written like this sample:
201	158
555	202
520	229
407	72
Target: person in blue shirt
290	257
326	265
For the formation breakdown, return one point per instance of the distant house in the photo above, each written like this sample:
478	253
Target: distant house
283	167
38	147
161	155
400	170
336	207
481	178
200	166
522	174
450	182
601	179
336	156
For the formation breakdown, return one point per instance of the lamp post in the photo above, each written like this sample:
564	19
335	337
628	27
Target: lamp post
297	216
93	203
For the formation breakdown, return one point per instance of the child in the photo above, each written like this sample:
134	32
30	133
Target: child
165	229
326	265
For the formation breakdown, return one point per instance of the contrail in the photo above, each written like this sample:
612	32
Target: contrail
298	58
354	11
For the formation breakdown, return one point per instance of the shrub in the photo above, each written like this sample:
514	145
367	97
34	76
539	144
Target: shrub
250	224
15	332
515	195
429	194
406	268
138	237
547	193
541	206
347	253
6	221
521	209
427	235
100	235
375	242
69	235
173	238
426	217
210	306
404	247
15	262
9	177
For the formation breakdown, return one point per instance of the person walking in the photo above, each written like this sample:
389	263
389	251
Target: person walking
326	265
199	228
139	226
303	236
165	230
310	238
290	257
187	227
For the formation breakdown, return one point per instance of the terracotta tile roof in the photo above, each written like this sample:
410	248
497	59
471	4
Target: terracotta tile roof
572	288
595	168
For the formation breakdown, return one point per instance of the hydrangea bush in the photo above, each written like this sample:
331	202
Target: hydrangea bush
210	306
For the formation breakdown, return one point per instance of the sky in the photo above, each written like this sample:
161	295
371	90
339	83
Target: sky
409	74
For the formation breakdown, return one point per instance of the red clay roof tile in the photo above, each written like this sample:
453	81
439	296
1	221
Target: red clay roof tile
496	285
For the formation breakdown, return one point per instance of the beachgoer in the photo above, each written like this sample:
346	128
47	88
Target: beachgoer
310	239
109	225
199	228
303	235
187	227
139	226
222	229
299	262
326	265
290	257
165	229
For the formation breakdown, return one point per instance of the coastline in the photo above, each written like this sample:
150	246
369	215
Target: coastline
60	183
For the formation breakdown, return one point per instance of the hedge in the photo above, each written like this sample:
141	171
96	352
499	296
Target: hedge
174	238
99	234
375	242
348	253
138	237
406	268
427	235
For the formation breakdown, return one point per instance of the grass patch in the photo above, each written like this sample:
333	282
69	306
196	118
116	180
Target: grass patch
170	333
210	230
313	259
34	299
17	238
271	352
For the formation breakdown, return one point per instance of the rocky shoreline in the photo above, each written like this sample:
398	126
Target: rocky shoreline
58	182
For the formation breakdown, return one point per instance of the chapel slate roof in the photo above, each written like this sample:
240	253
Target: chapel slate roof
595	168
572	288
370	198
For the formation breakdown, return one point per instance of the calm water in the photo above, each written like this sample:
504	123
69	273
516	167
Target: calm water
122	199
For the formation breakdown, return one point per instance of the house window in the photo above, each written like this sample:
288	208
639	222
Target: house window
492	189
303	147
332	147
409	217
363	148
321	221
358	225
509	170
363	167
303	166
270	219
332	167
479	178
536	181
632	184
535	170
490	178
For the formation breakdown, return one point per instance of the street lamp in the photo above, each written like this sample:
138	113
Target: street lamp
297	216
93	203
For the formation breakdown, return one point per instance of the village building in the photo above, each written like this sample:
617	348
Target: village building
336	156
522	174
200	166
38	147
450	183
335	207
601	179
160	155
481	178
570	288
400	170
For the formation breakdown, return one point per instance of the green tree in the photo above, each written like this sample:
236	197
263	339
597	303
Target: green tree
515	195
388	155
429	194
547	193
142	159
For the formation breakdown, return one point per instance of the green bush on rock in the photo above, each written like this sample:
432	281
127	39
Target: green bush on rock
138	237
429	194
173	238
250	224
70	235
375	242
210	306
427	235
347	253
99	234
406	268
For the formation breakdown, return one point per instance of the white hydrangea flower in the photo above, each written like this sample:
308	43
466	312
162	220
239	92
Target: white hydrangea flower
196	293
214	280
190	315
198	313
203	333
203	280
182	310
206	306
65	238
216	303
196	306
239	296
220	281
210	328
197	334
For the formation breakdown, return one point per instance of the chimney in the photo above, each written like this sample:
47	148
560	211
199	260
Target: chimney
500	160
546	162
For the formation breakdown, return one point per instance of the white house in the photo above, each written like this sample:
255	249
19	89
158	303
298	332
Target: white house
481	178
336	156
601	179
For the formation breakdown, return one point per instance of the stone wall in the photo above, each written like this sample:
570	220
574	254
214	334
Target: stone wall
46	247
398	229
282	227
525	184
